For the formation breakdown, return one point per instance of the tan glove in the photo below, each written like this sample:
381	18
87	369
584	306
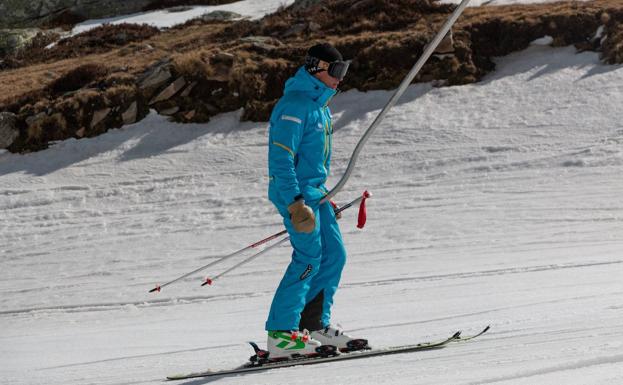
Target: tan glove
302	217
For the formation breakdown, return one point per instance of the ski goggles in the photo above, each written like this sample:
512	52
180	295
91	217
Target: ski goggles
336	69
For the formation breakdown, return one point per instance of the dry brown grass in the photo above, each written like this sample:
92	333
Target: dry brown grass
119	78
77	78
194	64
341	17
46	129
120	95
97	40
494	31
34	78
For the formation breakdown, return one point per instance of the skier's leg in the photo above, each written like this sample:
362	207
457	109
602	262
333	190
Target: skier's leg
317	312
290	297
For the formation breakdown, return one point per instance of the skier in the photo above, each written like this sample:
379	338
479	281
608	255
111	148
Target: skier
299	157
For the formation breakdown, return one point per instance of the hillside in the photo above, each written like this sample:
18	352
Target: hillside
96	80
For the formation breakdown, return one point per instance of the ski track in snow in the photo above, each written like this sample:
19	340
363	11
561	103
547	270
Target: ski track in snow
494	203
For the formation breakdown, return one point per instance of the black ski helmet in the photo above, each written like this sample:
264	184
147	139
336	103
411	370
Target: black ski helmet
329	54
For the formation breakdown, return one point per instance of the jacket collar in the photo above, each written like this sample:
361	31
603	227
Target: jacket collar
316	90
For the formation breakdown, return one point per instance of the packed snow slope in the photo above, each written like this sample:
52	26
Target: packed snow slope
495	203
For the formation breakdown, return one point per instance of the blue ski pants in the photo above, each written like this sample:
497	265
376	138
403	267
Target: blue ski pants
304	297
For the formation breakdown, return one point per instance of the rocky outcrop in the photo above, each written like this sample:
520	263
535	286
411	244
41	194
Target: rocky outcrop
129	116
8	129
12	40
99	116
169	91
156	75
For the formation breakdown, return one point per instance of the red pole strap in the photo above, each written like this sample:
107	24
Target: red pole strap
361	220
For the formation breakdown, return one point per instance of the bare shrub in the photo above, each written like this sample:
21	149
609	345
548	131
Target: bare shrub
78	78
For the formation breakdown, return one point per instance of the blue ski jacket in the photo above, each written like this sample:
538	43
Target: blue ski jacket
299	148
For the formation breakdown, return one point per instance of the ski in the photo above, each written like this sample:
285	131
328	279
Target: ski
255	365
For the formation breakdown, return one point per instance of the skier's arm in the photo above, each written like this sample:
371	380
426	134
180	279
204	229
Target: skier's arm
286	134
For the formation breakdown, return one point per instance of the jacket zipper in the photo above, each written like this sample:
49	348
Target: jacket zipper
327	137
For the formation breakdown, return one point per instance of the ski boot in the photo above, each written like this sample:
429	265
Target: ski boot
284	345
331	335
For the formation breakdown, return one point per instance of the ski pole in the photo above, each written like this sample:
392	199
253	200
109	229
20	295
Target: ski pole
221	259
238	252
361	223
401	89
208	281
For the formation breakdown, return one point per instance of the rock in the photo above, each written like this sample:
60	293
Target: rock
156	75
98	116
258	39
296	29
211	108
186	91
220	15
169	111
8	129
80	133
171	90
314	27
189	115
446	46
129	116
223	57
12	40
263	42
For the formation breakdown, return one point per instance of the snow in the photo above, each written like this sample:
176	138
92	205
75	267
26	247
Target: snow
166	18
494	203
545	40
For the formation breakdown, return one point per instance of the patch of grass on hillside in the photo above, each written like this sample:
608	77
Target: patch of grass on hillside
96	40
